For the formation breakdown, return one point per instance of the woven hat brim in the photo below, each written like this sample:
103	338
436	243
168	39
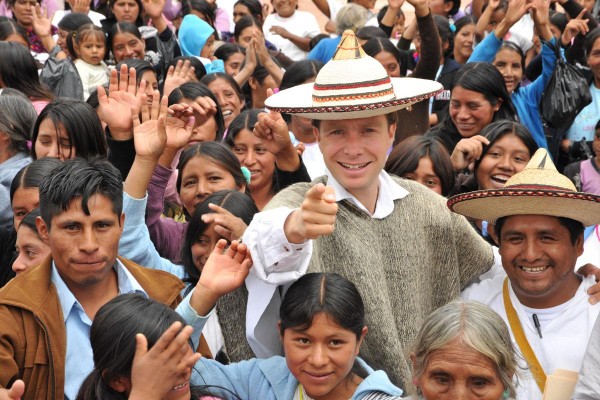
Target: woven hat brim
298	100
489	205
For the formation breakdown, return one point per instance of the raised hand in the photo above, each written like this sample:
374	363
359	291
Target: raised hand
153	8
224	271
204	108
177	75
149	140
81	6
123	100
227	225
540	11
574	27
15	392
468	151
315	217
516	10
156	371
258	43
178	126
42	25
274	131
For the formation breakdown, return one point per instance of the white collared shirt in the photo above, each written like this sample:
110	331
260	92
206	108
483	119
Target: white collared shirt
276	261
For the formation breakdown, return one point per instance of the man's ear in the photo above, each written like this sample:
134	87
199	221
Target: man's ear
122	221
42	229
392	132
316	133
491	229
279	331
413	362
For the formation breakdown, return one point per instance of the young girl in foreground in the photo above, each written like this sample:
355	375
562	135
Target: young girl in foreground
321	327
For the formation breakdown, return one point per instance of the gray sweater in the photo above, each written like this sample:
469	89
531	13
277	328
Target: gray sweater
405	266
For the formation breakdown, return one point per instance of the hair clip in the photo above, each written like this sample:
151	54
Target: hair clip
247	174
453	28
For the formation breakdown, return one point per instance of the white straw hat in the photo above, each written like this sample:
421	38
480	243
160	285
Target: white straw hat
537	190
352	85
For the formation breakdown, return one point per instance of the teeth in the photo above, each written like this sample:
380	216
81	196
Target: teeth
227	113
350	166
501	178
533	269
180	386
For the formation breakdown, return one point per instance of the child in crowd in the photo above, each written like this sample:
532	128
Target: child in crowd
88	43
424	160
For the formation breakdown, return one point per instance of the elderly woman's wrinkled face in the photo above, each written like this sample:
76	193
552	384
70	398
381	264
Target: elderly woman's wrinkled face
459	372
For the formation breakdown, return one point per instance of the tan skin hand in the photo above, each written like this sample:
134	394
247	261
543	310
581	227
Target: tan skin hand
81	6
224	271
468	151
227	225
123	100
594	290
315	217
156	371
15	392
574	27
177	75
273	130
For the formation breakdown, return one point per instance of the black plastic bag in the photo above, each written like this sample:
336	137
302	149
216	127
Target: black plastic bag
567	93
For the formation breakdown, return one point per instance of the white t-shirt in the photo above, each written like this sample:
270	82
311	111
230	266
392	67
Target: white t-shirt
301	23
565	329
591	249
313	160
94	16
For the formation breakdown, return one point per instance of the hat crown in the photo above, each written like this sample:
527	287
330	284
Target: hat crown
351	77
541	172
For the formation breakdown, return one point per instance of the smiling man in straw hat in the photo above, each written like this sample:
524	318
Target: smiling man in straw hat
395	239
539	219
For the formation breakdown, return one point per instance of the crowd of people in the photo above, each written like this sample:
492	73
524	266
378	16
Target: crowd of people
207	199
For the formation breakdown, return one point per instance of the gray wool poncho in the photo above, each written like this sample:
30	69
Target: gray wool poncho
405	266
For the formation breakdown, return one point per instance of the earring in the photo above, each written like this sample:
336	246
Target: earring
505	394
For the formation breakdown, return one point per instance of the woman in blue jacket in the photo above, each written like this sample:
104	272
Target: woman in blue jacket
321	327
510	61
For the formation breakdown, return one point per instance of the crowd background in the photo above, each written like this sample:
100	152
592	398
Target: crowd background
168	97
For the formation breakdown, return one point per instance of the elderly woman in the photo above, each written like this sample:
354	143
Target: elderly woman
17	117
464	350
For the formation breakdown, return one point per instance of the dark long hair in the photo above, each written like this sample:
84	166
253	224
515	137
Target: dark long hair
378	45
326	293
9	27
497	130
81	124
484	78
217	153
192	90
19	71
239	204
30	176
405	157
112	337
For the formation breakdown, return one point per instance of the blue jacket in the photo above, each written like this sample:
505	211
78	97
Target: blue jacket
526	99
270	379
135	243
